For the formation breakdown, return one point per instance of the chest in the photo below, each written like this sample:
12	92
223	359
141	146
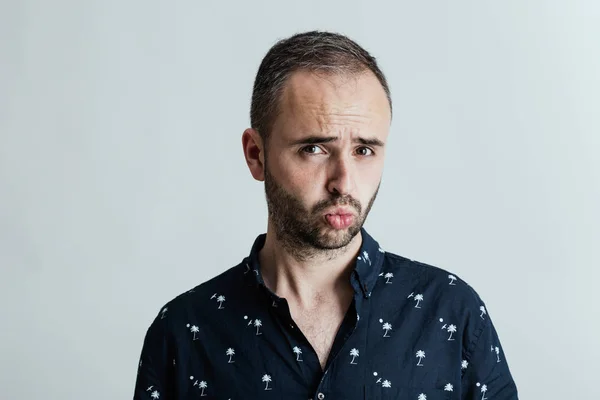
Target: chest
320	328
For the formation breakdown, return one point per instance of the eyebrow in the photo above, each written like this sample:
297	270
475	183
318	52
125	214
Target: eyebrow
329	139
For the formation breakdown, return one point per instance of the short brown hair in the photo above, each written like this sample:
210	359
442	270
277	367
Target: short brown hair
317	51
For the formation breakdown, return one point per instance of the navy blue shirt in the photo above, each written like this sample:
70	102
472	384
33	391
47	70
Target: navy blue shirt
413	331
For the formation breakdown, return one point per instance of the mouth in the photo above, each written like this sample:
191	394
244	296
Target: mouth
339	221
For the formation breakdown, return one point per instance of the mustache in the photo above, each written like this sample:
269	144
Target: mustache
339	201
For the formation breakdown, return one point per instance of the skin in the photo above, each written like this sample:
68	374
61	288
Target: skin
305	259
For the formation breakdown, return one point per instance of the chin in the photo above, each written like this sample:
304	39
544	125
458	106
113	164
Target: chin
337	238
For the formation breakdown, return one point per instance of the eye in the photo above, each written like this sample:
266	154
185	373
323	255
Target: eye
366	148
307	149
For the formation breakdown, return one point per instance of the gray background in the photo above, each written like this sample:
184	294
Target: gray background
123	183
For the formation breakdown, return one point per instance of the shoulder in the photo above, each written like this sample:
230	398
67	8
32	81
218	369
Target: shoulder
194	300
447	286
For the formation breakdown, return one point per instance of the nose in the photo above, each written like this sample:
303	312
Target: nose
341	178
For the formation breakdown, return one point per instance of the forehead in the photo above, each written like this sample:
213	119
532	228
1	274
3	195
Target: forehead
320	102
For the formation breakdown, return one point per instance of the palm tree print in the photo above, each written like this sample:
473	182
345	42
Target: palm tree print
389	276
386	384
203	385
353	354
366	257
483	390
483	312
418	299
220	300
449	387
464	364
266	378
230	352
422	396
452	279
420	355
194	329
164	310
497	349
387	327
297	351
155	394
258	324
451	329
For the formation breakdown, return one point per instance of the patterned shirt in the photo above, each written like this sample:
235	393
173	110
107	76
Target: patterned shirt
412	331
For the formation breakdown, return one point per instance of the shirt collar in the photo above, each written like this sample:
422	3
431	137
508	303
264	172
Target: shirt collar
366	269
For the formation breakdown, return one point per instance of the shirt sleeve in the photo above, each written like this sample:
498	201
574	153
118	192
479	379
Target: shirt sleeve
154	376
485	372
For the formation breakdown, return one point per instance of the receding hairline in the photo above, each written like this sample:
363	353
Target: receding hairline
284	90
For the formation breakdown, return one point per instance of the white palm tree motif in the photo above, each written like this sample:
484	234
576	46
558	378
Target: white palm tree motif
203	385
387	327
386	384
266	378
297	351
353	354
155	394
164	310
452	279
366	257
451	329
422	396
230	352
220	300
449	387
194	329
258	324
418	299
464	364
389	276
420	355
483	312
483	390
497	352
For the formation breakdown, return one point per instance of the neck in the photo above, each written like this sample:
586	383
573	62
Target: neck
307	275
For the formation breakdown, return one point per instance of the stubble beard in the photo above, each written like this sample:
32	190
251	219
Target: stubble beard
304	233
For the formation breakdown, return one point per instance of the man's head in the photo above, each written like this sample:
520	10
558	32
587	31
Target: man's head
320	116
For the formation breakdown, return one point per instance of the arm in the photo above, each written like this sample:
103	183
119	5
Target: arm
154	377
486	375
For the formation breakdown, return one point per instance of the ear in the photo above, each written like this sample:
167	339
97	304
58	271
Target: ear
252	145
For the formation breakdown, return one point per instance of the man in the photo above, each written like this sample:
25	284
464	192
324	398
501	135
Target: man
318	310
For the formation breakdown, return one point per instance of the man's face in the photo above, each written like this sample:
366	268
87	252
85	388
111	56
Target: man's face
324	158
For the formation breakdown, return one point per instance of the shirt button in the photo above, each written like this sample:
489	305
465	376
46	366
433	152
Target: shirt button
320	396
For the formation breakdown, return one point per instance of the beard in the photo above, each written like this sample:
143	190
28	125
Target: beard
303	232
